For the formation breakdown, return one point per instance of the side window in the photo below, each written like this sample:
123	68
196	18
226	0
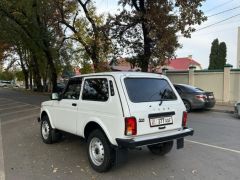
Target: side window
73	89
95	89
178	89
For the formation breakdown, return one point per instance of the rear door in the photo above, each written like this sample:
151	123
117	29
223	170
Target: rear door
154	103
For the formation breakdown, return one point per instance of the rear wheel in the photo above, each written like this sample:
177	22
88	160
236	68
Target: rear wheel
100	153
187	105
161	148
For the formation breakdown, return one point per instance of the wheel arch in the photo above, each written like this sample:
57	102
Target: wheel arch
92	125
45	113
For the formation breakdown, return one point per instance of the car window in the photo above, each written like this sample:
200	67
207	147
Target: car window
73	89
6	82
178	89
95	89
149	89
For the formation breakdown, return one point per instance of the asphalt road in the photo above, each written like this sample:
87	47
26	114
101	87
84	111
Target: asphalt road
212	153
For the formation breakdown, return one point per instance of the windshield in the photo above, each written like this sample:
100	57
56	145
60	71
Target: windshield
148	90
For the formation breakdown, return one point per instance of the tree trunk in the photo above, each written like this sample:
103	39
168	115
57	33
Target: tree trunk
147	48
52	67
37	77
24	70
30	79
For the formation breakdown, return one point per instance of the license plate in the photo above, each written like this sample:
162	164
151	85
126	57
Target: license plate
210	97
161	121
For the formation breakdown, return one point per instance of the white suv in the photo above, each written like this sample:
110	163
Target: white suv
117	111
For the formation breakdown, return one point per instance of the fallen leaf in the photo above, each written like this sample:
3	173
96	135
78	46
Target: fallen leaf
194	171
55	170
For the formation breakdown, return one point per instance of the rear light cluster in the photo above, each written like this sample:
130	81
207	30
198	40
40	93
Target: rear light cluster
130	126
184	119
201	97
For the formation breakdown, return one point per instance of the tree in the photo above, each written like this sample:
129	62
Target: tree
88	29
36	29
213	58
222	55
217	58
147	28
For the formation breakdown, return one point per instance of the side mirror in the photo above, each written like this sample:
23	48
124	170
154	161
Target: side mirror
55	96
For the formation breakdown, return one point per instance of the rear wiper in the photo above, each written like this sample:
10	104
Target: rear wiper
161	97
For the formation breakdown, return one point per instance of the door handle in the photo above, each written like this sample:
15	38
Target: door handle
74	104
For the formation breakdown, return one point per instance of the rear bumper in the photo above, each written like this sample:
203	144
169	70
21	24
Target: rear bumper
210	104
132	143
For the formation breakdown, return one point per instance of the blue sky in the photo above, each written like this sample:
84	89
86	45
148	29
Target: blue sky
199	44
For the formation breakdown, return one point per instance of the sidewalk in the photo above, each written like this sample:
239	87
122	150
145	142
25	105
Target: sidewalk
223	108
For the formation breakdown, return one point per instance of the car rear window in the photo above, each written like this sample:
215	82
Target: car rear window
149	89
191	89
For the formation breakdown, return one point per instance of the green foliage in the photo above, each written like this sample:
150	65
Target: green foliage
222	54
217	58
86	67
19	75
6	75
214	55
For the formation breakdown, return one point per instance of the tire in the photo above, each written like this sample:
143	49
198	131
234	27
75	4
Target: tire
48	134
187	105
100	154
161	148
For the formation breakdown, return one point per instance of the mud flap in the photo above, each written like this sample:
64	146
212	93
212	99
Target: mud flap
121	156
180	143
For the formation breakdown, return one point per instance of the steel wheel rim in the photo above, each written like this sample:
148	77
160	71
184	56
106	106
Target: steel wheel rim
45	129
96	151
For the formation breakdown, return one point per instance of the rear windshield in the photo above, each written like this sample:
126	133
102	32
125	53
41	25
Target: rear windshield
149	89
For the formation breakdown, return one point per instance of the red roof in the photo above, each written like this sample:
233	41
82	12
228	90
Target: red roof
182	63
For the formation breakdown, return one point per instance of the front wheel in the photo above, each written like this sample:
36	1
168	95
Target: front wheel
48	134
161	148
100	153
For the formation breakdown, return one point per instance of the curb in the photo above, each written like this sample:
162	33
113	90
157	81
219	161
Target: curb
223	111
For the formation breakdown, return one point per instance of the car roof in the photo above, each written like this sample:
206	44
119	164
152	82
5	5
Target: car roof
185	85
119	74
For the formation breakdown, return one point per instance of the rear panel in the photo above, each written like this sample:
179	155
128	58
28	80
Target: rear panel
153	114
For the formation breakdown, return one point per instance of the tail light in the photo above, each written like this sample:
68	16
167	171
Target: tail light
201	97
184	119
130	126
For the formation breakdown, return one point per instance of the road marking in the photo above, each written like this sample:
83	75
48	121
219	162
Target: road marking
23	105
9	104
20	119
213	146
2	172
16	112
14	101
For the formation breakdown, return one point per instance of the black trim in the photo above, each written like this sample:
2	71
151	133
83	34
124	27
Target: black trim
130	143
161	114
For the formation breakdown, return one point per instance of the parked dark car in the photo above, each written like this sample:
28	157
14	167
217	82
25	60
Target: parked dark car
195	98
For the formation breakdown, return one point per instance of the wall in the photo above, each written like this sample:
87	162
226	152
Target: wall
225	84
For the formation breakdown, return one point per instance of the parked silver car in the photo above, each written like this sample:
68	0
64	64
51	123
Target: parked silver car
5	83
237	109
8	84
